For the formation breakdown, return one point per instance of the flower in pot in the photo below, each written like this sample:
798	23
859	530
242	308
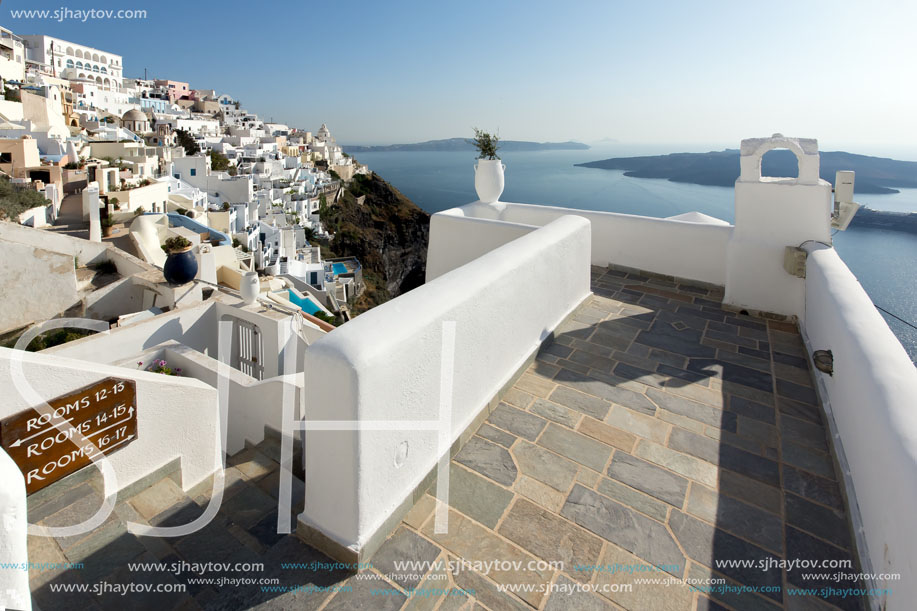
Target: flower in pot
181	265
488	172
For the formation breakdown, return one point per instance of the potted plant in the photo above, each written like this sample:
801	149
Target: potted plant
181	265
107	223
488	172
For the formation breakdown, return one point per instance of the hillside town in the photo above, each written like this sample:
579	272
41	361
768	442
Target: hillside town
136	162
241	371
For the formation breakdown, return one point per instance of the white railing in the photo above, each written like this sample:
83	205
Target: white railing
871	404
384	366
673	247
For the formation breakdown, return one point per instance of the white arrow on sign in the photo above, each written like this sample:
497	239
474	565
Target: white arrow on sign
18	442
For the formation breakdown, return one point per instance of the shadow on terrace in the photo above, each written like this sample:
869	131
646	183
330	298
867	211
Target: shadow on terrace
655	430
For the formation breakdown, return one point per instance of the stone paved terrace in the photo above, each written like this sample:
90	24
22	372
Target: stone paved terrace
655	429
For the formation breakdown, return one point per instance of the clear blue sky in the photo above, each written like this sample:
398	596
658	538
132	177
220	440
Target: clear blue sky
643	72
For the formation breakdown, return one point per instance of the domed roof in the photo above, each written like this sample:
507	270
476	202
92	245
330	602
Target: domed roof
134	115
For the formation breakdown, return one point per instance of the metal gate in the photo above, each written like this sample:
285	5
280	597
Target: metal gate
246	348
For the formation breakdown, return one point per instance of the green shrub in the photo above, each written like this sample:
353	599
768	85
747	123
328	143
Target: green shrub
175	244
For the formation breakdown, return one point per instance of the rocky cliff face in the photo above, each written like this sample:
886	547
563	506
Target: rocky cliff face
387	232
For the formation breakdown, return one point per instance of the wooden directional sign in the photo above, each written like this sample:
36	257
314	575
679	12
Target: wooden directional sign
98	419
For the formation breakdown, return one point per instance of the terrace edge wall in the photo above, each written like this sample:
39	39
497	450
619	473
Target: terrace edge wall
869	401
387	361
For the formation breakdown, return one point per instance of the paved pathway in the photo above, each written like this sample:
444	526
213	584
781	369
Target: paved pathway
656	430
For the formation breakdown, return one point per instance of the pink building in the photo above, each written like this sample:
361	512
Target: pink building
176	89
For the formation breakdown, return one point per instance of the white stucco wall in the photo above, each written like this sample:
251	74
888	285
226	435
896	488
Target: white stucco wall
37	284
385	366
253	404
686	249
871	400
14	583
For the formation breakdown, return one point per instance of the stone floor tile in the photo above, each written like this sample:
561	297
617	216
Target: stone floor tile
40	505
419	513
704	543
685	342
488	459
632	498
802	411
604	390
621	525
576	447
404	543
544	466
549	537
726	456
491	433
696	392
638	424
540	493
248	506
800	545
252	464
752	409
45	551
662	597
829	524
793	374
695	426
534	385
581	402
756	430
476	496
587	477
807	459
517	398
734	597
804	433
567	598
688	466
797	392
649	478
742	519
474	543
812	487
692	409
524	424
367	593
557	413
734	373
161	495
487	593
607	434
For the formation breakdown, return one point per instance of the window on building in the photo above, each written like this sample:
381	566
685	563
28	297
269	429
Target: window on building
193	172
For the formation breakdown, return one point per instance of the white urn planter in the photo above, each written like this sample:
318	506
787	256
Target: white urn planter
488	180
250	286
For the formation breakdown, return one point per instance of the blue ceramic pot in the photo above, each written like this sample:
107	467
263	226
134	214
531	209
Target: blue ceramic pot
180	267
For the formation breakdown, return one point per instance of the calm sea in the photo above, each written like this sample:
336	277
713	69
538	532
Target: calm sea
883	261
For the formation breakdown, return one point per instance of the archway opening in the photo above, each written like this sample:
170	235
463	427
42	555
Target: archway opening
780	163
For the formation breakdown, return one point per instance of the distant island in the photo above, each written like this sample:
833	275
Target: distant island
464	144
883	219
721	168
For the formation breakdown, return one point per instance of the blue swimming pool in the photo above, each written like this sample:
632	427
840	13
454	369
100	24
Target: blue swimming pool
338	268
305	304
